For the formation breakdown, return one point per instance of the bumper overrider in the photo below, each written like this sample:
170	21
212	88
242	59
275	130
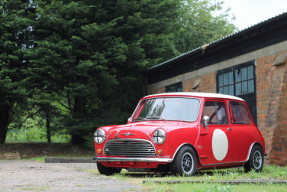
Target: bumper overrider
163	160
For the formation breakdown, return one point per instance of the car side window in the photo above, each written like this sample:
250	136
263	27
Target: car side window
239	113
216	111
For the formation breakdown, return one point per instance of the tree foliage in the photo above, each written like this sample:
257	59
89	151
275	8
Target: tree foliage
78	63
200	22
89	54
13	36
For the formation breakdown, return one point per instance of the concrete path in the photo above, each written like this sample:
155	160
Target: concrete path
16	176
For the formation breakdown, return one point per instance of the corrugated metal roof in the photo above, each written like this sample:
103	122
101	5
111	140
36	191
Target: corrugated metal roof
216	41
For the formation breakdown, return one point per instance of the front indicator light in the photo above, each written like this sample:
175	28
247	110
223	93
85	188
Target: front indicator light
159	152
99	151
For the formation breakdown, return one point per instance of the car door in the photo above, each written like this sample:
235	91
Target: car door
244	129
218	141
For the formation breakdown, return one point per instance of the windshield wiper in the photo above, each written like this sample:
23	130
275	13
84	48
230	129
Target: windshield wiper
140	119
156	117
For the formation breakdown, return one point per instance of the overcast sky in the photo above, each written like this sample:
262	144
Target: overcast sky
250	12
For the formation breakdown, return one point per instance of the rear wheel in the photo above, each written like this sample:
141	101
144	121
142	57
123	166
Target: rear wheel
108	170
255	161
184	163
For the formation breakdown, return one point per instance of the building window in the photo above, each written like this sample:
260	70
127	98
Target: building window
174	88
226	85
238	80
244	80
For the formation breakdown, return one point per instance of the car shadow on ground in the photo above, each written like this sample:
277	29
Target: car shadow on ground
161	175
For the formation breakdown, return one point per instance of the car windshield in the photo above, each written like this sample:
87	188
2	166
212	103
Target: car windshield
182	109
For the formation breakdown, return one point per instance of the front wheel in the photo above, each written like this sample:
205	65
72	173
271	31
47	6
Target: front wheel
184	163
107	170
255	161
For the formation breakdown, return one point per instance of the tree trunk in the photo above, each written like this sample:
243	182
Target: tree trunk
4	121
48	127
77	138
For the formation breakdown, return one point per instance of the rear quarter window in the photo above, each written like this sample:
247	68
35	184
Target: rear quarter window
239	113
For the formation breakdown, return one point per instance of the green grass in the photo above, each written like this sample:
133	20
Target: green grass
38	159
214	188
270	172
34	134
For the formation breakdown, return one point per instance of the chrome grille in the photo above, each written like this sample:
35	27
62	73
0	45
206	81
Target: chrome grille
129	148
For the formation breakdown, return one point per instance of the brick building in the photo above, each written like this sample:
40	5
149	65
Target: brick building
250	64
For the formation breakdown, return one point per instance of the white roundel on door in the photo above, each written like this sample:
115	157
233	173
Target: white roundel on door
219	144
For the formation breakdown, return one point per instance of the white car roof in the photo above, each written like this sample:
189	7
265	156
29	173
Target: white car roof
198	94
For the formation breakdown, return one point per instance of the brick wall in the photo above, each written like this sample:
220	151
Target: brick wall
272	107
159	90
27	150
10	156
207	84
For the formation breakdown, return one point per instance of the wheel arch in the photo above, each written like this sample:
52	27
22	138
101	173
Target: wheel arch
250	149
194	149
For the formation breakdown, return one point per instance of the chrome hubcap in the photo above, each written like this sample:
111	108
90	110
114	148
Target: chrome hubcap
257	159
187	163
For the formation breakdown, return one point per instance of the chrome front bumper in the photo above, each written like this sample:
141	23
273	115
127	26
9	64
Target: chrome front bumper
164	160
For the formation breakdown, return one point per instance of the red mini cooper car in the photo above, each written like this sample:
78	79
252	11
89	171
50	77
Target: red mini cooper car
182	133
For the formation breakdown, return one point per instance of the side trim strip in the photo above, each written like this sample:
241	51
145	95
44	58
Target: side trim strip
224	163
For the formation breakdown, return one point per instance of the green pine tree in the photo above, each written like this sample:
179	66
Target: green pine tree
14	37
90	53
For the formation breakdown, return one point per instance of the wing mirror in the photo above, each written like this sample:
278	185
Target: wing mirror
205	119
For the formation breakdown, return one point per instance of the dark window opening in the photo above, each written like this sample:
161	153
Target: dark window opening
174	88
240	81
226	85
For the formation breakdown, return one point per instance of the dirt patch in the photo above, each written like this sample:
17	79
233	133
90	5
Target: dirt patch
36	176
28	150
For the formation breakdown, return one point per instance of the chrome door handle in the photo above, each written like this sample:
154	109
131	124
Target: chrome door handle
229	129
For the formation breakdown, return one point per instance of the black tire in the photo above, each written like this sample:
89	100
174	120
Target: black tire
184	163
256	160
107	170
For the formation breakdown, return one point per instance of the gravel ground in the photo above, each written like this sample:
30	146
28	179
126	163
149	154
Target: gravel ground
35	176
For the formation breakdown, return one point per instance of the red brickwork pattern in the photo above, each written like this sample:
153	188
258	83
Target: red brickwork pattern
159	90
28	150
278	153
10	156
207	84
271	107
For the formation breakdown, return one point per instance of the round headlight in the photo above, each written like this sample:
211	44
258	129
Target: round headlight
159	136
99	136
